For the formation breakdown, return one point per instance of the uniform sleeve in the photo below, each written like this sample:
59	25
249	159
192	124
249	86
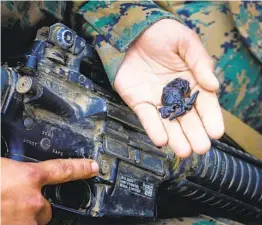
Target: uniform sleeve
114	25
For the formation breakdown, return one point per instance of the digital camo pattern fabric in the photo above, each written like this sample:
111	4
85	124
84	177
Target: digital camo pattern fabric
119	23
29	13
248	19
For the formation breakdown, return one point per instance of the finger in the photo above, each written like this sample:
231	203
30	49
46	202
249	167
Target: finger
45	214
198	61
176	139
195	132
209	110
58	171
149	117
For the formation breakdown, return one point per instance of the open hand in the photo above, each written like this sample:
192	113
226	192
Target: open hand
165	51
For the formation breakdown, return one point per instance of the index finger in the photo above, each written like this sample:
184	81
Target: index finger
58	171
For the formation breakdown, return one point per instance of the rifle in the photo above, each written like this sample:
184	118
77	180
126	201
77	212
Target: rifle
57	103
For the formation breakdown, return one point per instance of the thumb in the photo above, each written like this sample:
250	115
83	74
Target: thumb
199	62
58	171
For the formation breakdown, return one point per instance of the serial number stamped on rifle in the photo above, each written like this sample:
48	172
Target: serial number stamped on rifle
136	186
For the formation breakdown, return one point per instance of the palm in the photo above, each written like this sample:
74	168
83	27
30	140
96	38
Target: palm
148	66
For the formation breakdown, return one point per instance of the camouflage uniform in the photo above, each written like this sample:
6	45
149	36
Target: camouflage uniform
235	43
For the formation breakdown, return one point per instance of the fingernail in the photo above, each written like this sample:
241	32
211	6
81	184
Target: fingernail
95	167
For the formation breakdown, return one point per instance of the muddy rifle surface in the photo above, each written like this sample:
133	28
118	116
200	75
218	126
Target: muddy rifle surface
52	109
